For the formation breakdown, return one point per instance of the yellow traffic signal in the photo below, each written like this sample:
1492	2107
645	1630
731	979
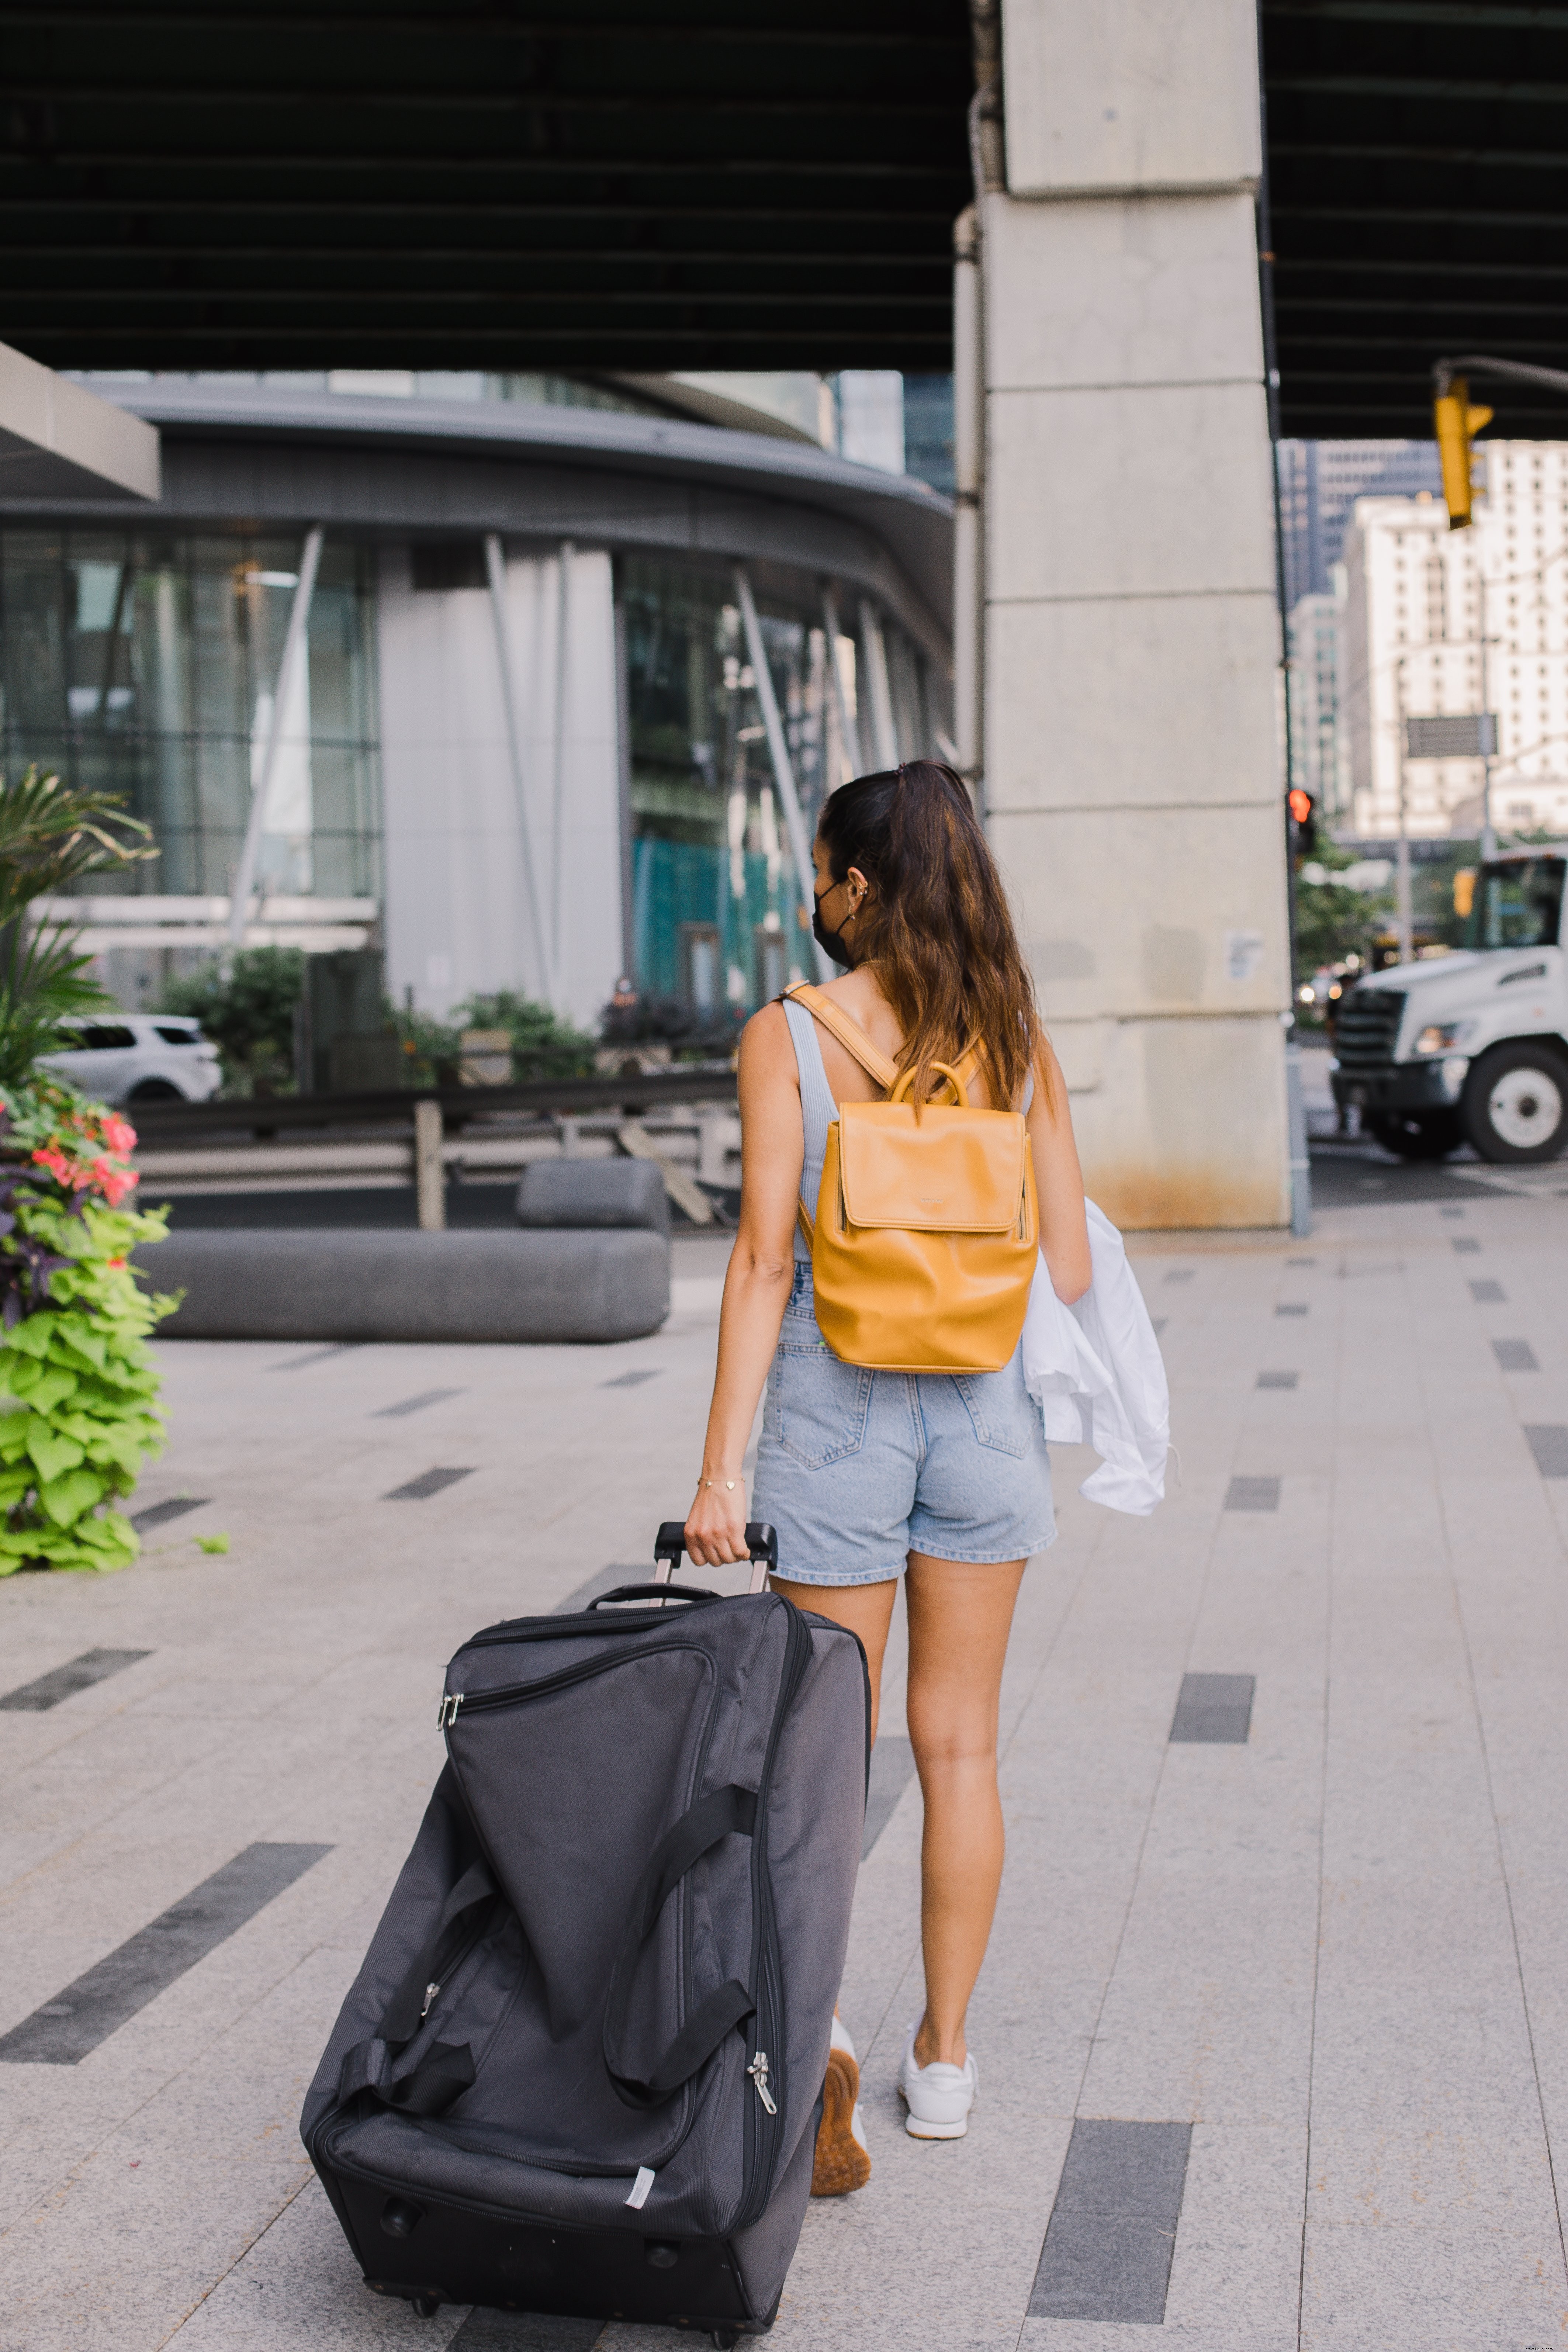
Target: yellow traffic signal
1455	424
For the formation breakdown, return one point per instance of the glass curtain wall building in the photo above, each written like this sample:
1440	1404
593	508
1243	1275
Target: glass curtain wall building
146	666
717	915
525	744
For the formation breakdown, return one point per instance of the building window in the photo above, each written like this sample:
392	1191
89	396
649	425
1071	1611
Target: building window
148	666
718	918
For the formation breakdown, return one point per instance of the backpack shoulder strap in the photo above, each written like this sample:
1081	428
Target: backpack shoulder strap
849	1034
854	1040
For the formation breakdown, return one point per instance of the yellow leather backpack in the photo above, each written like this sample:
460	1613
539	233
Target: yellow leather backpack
927	1228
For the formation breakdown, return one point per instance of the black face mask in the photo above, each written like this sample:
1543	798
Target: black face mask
831	942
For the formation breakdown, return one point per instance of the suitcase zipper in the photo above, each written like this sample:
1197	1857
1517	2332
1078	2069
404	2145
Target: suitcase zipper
516	1693
761	2125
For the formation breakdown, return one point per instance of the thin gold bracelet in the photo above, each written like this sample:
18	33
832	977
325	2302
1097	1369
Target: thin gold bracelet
729	1484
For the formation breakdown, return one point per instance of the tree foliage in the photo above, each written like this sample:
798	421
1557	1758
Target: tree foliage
247	1007
543	1044
1333	921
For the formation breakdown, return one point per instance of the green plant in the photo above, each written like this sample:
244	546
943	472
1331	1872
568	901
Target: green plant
690	1034
51	834
1331	920
542	1045
247	1007
78	1388
431	1050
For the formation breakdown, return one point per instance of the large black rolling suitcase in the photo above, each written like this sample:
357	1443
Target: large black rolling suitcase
579	2070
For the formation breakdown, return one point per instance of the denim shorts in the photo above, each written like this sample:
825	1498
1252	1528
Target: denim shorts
857	1468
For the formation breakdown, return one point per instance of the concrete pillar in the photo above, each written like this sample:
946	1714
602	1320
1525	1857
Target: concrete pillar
1133	771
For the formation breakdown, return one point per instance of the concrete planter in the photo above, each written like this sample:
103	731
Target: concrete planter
594	1284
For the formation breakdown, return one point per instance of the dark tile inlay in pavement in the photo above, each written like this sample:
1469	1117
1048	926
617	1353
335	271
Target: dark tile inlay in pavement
1515	1356
1294	1309
1277	1380
1548	1443
1252	1494
318	1356
1157	1324
892	1762
1300	1260
66	2029
524	2331
429	1482
1213	1710
1450	1213
1112	2230
1487	1293
92	1666
1465	1246
633	1379
1181	1274
158	1513
414	1404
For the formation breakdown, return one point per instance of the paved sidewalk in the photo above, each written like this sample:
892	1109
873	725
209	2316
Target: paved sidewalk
1296	2000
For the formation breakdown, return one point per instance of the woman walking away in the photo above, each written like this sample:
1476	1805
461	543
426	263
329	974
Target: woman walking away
874	1465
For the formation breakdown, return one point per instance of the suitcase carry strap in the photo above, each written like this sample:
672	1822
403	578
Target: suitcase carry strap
447	2068
726	1813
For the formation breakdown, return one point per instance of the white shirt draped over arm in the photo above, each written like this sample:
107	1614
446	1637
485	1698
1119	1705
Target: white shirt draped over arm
1096	1372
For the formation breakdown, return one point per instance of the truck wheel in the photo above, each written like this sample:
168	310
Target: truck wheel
1515	1104
1432	1138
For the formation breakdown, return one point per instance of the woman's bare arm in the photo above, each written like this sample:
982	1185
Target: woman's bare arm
757	1285
1064	1229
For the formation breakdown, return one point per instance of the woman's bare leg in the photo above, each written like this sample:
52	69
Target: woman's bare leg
960	1618
866	1609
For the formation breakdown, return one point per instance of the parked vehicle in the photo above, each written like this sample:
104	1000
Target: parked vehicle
140	1057
1471	1046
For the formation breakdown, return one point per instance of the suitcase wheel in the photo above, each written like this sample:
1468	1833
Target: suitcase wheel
426	2306
726	2338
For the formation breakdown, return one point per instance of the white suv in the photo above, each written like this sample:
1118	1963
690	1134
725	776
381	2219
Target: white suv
140	1057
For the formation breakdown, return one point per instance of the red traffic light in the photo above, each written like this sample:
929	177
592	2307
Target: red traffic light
1300	802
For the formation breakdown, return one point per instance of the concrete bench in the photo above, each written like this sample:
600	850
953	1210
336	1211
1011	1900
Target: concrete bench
595	1284
593	1193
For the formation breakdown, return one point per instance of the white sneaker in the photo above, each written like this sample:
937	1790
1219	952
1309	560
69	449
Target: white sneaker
938	2096
843	2158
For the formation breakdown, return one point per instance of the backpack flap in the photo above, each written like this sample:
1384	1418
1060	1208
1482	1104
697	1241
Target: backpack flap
949	1171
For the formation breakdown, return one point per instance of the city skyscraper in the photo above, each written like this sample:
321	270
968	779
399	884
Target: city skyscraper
1320	482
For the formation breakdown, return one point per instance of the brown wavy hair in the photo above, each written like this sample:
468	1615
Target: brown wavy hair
935	922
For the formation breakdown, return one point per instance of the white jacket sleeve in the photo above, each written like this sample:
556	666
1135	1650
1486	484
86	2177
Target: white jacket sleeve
1096	1372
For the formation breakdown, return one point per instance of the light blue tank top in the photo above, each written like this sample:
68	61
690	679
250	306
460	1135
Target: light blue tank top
818	1109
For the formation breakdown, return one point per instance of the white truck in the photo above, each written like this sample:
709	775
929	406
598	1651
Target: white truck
1470	1047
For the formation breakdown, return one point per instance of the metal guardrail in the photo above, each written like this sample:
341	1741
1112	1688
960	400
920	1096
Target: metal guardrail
161	1124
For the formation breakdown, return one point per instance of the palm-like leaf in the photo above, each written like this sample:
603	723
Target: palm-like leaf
51	833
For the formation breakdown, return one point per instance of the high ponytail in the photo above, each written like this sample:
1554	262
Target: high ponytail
936	922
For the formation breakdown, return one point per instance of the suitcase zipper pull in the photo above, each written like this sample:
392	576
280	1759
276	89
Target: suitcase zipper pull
430	1992
758	2071
447	1712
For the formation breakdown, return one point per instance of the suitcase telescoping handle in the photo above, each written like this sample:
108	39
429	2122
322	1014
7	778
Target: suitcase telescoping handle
761	1542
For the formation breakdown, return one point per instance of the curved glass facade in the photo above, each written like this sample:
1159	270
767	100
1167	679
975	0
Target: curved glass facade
717	916
593	710
147	666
